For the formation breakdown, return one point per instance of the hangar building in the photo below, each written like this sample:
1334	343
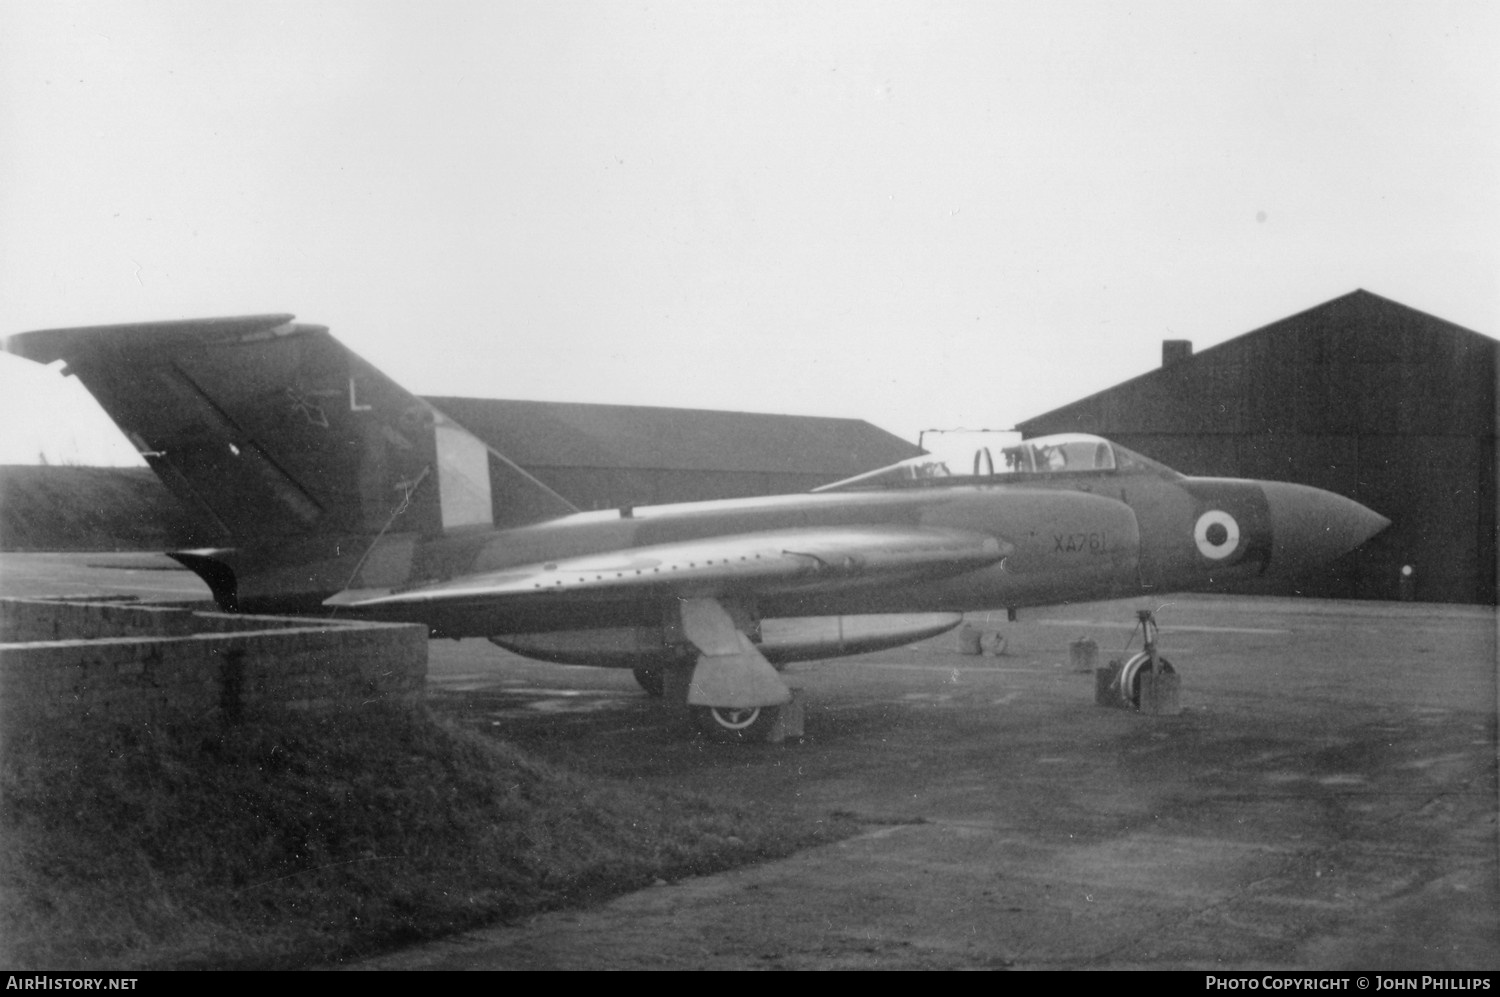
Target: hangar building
605	456
1362	396
596	456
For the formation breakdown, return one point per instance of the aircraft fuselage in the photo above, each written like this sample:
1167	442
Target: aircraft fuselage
338	491
1089	536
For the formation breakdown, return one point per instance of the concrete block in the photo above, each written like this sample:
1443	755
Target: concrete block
1160	693
1107	691
1084	655
788	721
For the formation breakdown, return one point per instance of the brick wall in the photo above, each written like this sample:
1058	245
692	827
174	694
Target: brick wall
152	664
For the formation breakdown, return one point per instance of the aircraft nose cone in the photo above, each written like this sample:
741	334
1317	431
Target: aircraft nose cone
1310	526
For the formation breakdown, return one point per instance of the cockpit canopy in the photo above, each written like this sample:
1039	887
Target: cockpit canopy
1065	453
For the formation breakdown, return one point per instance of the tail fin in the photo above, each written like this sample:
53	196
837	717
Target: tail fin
275	431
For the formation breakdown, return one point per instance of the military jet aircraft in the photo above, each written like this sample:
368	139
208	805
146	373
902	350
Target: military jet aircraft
339	492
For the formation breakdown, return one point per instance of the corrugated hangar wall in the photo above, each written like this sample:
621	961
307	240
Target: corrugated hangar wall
1361	396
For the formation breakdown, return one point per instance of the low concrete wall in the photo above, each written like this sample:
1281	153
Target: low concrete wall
129	663
25	621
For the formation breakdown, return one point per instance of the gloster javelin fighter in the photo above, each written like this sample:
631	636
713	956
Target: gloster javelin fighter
339	492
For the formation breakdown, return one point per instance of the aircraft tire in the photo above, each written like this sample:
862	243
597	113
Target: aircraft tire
729	724
650	679
1135	678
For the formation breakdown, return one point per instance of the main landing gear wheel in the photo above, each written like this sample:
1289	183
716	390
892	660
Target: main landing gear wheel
650	679
730	723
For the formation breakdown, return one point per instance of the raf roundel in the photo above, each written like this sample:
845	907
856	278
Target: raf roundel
1216	534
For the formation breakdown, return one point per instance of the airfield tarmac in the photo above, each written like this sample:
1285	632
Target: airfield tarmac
1326	800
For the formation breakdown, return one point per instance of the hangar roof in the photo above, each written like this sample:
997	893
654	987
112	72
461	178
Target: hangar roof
571	434
1357	363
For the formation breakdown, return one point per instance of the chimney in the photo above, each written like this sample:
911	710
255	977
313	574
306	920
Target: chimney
1173	350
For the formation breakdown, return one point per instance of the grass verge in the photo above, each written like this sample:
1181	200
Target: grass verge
320	839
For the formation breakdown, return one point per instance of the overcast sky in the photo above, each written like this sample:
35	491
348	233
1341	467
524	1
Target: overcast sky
919	214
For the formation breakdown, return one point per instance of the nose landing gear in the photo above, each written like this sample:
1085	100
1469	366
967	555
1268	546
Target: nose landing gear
1146	682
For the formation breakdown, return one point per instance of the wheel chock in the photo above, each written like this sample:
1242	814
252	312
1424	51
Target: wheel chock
1107	691
788	722
1160	694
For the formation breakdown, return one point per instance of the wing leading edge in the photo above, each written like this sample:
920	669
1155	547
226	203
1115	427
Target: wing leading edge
822	560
